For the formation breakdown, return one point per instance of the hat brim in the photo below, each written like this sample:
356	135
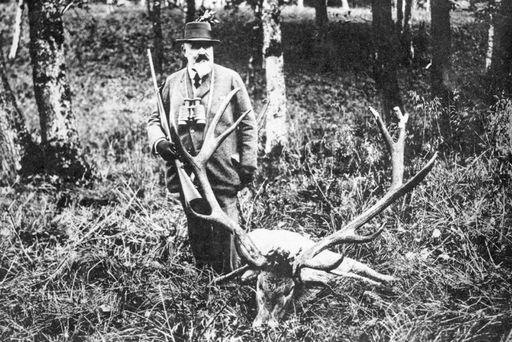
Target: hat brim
214	41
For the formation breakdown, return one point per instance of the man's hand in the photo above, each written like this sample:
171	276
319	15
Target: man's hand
166	150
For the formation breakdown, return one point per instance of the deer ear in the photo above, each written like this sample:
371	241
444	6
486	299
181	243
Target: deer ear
249	276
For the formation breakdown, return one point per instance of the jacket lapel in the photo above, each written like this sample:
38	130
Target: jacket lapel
184	84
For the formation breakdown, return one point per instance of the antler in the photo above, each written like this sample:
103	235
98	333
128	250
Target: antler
348	234
214	213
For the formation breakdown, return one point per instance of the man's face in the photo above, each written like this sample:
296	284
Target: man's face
198	53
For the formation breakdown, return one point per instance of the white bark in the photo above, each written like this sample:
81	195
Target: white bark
276	126
490	34
17	29
490	46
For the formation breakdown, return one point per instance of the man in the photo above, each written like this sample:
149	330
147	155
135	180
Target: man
199	89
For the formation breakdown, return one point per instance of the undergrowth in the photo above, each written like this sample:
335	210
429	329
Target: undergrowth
110	261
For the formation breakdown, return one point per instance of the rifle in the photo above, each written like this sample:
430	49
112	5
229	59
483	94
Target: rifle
160	104
190	193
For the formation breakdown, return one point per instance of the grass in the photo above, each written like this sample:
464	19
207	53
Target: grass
110	261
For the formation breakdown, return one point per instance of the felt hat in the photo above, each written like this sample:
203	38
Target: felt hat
198	32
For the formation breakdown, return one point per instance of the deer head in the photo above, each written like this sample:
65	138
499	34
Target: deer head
283	261
275	288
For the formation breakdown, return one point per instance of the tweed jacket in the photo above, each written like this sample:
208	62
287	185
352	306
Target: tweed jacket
238	151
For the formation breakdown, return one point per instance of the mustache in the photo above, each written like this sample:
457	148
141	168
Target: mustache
202	57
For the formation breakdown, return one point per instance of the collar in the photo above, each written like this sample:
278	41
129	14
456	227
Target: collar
187	83
202	72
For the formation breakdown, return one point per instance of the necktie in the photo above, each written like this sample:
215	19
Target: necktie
197	80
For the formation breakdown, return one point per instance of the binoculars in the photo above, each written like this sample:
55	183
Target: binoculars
192	112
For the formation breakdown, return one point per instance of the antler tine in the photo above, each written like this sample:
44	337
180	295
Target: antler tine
397	189
180	149
230	275
227	132
211	143
382	127
347	234
245	245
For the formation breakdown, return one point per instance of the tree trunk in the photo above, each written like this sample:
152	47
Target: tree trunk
490	34
441	46
399	15
403	28
154	14
191	11
321	17
406	36
501	66
300	3
344	5
385	65
14	137
255	63
59	138
276	129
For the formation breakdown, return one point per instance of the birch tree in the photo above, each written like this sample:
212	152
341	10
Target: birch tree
14	137
490	33
276	126
62	153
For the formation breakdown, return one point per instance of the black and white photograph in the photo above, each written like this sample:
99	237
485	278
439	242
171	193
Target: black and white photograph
256	170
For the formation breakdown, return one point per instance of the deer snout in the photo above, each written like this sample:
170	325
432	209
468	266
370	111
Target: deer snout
273	297
259	322
267	316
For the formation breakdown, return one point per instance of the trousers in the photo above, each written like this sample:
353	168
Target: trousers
211	244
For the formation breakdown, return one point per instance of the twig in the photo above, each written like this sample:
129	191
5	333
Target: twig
230	275
68	6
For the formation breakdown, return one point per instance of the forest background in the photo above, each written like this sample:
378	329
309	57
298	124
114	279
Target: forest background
104	256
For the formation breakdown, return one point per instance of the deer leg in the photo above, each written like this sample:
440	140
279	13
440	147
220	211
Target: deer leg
357	276
355	269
